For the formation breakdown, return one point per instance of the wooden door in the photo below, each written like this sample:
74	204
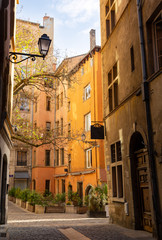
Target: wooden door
143	188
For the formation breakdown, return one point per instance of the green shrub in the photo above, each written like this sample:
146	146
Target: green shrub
35	198
70	194
48	194
18	192
60	198
12	192
86	200
24	195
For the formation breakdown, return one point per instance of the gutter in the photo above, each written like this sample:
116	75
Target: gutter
146	99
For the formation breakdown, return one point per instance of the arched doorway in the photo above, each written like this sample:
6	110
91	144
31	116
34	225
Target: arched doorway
87	190
140	183
3	190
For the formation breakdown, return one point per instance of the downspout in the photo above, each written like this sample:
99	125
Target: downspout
94	94
146	99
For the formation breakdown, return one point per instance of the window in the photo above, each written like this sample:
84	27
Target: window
69	130
61	99
24	105
69	106
57	128
110	17
63	185
87	92
47	185
57	102
157	35
116	167
132	58
56	157
62	122
88	158
21	158
87	122
47	158
69	162
62	156
48	126
48	103
113	87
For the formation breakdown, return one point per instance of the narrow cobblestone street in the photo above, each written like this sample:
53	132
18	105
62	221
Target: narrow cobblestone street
23	225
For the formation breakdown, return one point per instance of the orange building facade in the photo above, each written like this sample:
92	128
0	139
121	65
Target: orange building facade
84	162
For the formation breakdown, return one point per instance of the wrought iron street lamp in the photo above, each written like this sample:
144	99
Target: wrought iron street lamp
43	45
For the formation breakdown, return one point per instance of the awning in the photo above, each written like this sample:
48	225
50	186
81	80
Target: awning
61	175
82	173
21	175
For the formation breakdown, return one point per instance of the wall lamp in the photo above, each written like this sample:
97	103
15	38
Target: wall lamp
43	45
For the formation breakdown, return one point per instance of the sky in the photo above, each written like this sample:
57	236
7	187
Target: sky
73	20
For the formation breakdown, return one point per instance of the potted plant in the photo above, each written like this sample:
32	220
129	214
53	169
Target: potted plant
57	205
34	198
80	208
18	195
97	201
11	194
75	198
24	197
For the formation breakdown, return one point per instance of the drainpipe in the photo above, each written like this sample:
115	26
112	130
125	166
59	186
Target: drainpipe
146	99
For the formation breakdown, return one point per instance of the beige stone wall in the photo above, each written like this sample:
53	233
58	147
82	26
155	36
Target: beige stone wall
129	116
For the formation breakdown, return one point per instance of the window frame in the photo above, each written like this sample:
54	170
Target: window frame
47	157
56	157
48	103
113	86
21	162
157	66
117	176
87	122
87	95
88	161
110	17
62	156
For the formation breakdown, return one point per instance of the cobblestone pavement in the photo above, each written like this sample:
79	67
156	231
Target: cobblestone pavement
23	225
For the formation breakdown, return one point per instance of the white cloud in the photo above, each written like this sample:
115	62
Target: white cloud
77	10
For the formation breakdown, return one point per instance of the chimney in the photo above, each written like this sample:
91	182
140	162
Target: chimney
92	39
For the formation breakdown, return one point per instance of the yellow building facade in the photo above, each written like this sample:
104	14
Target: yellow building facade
86	166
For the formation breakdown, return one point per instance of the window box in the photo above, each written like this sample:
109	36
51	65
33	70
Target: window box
39	209
55	209
23	204
82	209
30	207
70	209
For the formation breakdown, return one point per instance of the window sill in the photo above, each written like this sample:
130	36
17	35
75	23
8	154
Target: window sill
118	200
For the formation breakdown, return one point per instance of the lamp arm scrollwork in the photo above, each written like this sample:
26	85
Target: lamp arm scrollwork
14	55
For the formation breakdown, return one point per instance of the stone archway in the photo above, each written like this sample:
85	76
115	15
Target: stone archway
88	188
3	190
140	183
